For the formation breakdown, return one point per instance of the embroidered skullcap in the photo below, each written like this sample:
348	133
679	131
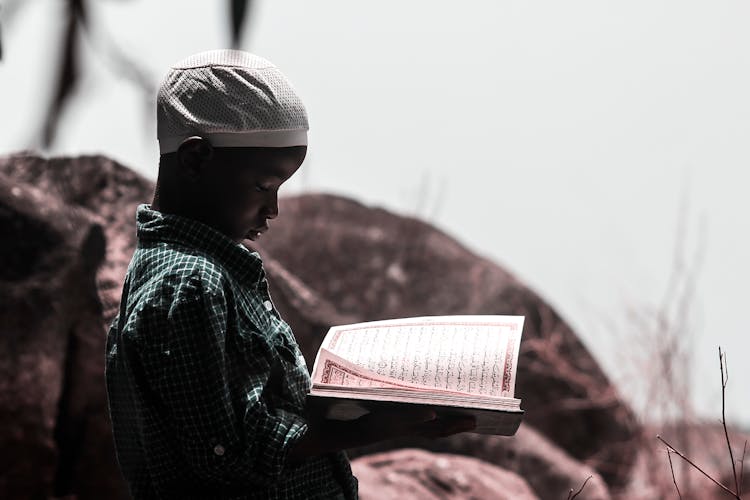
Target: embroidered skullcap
231	98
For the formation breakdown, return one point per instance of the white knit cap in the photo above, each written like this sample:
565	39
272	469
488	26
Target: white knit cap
232	98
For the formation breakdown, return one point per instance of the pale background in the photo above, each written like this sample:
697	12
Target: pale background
566	141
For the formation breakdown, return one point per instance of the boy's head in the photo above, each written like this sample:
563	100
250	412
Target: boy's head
231	129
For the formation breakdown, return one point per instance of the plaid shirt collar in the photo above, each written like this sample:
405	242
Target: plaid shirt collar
153	226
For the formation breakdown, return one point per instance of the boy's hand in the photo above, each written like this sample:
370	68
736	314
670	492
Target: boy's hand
447	426
325	436
387	424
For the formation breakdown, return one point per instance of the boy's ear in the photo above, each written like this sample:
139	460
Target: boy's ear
193	154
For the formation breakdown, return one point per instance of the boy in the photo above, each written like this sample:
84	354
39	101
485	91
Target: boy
206	383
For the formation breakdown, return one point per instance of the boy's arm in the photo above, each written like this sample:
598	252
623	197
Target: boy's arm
183	353
184	356
323	436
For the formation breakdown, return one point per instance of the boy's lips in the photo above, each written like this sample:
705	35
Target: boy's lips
257	231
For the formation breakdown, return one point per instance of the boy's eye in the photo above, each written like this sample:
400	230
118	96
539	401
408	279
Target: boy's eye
260	188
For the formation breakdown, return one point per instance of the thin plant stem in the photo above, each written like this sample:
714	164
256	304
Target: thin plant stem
572	495
742	468
724	379
674	480
672	448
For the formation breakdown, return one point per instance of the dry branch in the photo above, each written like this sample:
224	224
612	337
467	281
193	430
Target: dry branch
724	368
671	468
572	495
671	448
742	467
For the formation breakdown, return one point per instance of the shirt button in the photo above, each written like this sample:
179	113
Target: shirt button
219	450
267	304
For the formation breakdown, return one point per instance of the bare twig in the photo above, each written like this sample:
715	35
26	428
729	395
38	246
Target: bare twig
69	70
671	468
237	15
724	379
742	468
572	495
686	459
118	60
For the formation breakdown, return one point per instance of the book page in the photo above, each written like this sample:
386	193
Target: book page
470	354
330	369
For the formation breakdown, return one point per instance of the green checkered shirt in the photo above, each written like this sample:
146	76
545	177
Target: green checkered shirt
206	383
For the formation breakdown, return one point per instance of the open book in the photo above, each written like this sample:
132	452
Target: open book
457	365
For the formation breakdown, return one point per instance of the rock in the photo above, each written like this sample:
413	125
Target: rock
548	470
89	185
52	367
372	264
101	186
418	474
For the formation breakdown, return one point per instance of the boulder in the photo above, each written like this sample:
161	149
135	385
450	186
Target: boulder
52	400
372	264
418	474
548	470
101	186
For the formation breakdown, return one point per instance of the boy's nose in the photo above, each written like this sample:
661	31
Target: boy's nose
272	208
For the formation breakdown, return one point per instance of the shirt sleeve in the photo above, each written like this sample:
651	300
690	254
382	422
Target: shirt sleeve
185	355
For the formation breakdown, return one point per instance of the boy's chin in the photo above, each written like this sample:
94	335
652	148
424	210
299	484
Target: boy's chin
253	235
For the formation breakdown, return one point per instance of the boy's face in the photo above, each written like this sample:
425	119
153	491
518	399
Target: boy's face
241	185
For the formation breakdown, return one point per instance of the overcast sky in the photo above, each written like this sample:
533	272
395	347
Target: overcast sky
567	141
